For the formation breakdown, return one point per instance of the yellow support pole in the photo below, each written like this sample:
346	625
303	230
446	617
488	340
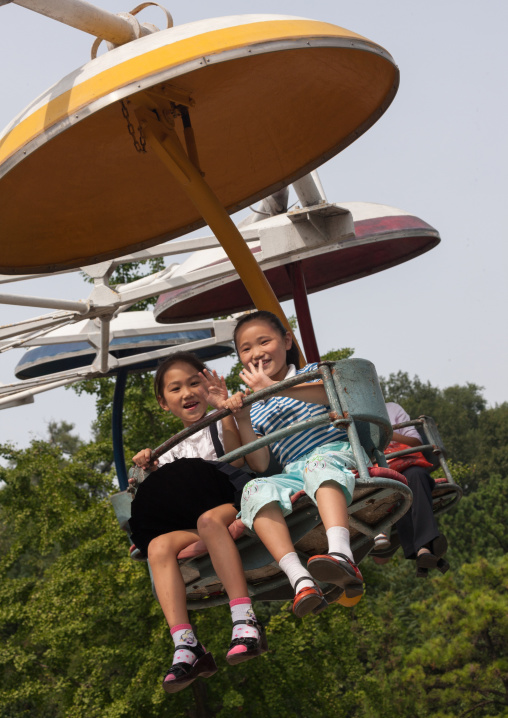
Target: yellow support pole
165	143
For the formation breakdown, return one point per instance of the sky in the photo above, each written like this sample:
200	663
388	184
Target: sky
439	152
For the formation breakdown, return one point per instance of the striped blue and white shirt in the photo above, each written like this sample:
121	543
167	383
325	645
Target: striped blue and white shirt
281	411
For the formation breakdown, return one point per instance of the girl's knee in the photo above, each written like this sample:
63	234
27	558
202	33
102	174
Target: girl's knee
163	548
207	521
216	518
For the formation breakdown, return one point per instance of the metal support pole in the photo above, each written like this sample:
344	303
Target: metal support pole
104	348
88	18
116	421
310	190
301	300
27	396
24	301
166	145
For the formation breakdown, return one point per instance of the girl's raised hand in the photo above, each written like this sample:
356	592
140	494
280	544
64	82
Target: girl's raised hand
215	389
255	377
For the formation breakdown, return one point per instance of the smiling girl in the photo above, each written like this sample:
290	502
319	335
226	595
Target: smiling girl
319	461
188	493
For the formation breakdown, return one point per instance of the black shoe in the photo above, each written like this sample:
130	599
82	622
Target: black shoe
255	646
185	673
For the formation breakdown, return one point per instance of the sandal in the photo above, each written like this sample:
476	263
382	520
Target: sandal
254	646
186	673
339	571
308	599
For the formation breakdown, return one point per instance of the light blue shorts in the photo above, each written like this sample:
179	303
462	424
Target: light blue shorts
329	462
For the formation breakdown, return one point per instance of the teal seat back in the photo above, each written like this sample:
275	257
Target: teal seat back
361	399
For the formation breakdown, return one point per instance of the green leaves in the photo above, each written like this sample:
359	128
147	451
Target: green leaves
82	636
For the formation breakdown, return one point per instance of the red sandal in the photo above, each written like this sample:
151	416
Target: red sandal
340	571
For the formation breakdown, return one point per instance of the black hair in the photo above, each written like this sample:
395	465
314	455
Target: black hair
292	354
167	363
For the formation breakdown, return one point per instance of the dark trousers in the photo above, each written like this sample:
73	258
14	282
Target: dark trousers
418	526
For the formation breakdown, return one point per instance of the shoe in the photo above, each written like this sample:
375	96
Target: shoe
381	541
254	646
434	557
340	571
308	599
180	675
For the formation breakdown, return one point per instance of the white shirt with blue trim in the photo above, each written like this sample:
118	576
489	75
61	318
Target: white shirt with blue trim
279	412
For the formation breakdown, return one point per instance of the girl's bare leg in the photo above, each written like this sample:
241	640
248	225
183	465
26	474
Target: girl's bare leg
332	506
169	584
213	529
271	528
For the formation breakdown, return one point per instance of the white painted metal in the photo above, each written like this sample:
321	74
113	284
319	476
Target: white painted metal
130	324
27	301
310	190
88	18
26	396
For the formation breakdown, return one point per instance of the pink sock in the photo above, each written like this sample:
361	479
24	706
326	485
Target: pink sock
183	635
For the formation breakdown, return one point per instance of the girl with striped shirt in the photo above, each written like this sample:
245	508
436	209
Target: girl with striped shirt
319	461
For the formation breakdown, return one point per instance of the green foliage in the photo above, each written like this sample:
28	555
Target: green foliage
81	634
485	514
459	663
60	435
338	354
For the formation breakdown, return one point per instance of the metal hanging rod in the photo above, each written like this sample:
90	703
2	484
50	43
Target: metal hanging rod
88	18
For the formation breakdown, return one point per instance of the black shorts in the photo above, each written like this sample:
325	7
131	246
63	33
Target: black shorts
175	496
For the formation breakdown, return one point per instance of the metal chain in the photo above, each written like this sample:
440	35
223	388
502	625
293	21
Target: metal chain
140	145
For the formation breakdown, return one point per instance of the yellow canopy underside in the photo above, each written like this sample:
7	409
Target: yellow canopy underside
275	100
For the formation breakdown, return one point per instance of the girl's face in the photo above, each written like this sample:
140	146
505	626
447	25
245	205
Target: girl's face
182	393
258	341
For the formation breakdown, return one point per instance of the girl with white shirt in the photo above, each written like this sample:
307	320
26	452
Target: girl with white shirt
186	491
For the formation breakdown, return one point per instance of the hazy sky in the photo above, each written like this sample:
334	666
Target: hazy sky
439	152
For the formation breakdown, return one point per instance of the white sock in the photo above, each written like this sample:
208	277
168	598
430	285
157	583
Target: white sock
292	567
241	610
183	635
338	541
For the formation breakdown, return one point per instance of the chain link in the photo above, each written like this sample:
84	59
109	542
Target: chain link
140	145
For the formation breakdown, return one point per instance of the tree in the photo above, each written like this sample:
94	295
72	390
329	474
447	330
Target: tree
459	665
456	410
60	435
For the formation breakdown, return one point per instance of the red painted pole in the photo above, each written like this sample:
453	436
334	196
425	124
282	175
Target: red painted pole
295	271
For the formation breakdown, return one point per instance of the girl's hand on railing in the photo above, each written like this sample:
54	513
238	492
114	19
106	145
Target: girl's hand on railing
214	388
142	459
235	404
255	377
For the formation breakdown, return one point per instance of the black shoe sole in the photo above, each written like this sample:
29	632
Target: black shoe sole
204	667
326	571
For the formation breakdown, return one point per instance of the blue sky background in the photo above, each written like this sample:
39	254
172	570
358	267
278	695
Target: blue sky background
439	152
